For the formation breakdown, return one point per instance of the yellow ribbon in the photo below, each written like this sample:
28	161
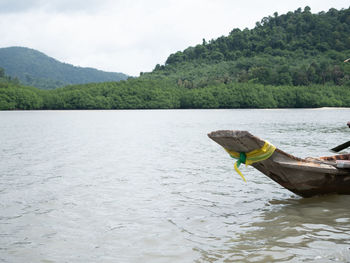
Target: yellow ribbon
254	156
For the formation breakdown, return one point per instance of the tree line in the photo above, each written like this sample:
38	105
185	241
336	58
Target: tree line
149	94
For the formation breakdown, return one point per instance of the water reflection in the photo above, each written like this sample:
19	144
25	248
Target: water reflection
309	230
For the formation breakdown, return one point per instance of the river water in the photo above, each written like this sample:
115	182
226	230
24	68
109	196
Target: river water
150	186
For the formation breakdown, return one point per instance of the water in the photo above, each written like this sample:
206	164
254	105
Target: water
150	186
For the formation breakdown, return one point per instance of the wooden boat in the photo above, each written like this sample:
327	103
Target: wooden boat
304	177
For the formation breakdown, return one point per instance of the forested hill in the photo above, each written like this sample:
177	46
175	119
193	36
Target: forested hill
297	48
36	69
293	60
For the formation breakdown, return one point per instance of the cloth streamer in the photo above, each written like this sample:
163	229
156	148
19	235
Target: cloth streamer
254	156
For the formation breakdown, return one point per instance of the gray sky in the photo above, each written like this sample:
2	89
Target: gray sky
131	36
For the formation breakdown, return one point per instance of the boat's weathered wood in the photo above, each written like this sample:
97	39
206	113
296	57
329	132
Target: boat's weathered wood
239	141
343	164
308	166
305	177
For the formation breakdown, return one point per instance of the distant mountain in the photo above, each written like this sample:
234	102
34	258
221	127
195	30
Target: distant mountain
36	69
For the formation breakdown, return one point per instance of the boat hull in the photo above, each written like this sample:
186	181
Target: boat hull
304	177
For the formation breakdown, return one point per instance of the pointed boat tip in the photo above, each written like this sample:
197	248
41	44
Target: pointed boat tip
236	140
215	134
228	133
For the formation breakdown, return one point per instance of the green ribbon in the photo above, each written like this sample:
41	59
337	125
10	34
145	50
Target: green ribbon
242	159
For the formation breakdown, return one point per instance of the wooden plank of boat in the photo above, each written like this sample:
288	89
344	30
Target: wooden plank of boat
305	177
345	164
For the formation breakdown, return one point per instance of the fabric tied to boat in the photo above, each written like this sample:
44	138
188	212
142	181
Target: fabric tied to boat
254	156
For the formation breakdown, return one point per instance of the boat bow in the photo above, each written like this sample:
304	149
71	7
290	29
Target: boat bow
305	177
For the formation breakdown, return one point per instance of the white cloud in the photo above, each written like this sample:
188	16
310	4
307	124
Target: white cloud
130	36
54	6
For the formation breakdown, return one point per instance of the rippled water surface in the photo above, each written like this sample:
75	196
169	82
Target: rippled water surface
150	186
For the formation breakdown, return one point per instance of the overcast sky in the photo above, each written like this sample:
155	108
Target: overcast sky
131	36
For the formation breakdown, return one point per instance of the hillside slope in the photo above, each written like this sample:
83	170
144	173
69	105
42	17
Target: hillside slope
36	69
297	48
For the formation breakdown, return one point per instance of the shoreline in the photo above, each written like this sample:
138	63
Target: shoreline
216	109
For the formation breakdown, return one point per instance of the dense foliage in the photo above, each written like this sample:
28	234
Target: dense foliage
297	48
34	68
289	61
150	94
